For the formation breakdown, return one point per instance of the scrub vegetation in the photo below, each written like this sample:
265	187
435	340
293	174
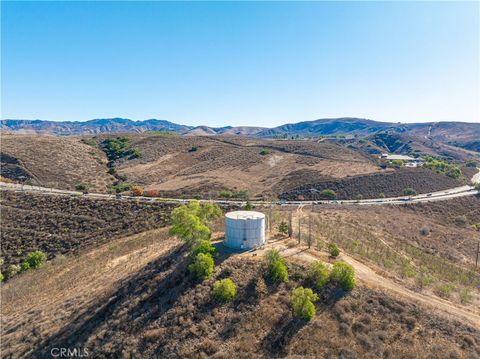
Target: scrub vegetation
427	247
445	168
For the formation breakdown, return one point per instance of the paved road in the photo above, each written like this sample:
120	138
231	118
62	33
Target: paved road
456	192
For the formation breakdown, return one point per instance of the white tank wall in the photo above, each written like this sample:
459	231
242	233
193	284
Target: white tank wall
244	229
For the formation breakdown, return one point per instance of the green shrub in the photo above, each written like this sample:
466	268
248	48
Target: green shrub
264	152
36	259
443	290
120	187
134	153
24	267
162	133
2	278
82	187
318	274
90	141
407	270
465	296
225	194
333	250
237	194
423	278
12	270
204	246
409	191
278	272
224	290
248	206
302	300
381	195
202	266
276	268
343	276
328	194
193	149
397	163
283	227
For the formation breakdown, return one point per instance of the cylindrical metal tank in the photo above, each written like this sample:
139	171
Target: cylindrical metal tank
244	229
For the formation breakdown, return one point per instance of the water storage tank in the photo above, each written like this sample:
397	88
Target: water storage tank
244	229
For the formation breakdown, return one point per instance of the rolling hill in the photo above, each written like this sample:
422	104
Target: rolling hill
455	133
211	166
120	287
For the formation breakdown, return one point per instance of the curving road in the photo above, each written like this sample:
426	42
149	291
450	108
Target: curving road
456	192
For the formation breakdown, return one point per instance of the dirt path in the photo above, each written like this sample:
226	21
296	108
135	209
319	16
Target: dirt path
369	277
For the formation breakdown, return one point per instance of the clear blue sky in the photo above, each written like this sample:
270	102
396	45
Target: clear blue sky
240	63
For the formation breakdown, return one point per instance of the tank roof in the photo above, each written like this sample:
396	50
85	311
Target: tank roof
244	215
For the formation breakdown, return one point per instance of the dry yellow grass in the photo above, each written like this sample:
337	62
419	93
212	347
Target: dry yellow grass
59	162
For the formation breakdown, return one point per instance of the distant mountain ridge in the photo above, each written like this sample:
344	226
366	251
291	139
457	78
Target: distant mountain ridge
449	132
96	126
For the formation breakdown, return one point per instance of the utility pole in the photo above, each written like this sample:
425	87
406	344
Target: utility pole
309	231
290	224
270	215
478	250
299	226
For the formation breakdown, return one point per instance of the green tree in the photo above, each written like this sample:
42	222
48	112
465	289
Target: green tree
224	290
302	300
203	246
343	275
36	259
82	187
248	206
190	222
333	250
276	267
397	163
440	166
318	274
134	153
283	227
409	191
202	266
328	194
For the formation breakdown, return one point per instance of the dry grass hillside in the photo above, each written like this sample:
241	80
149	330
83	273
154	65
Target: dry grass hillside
57	162
202	165
121	287
210	167
429	248
133	298
60	225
